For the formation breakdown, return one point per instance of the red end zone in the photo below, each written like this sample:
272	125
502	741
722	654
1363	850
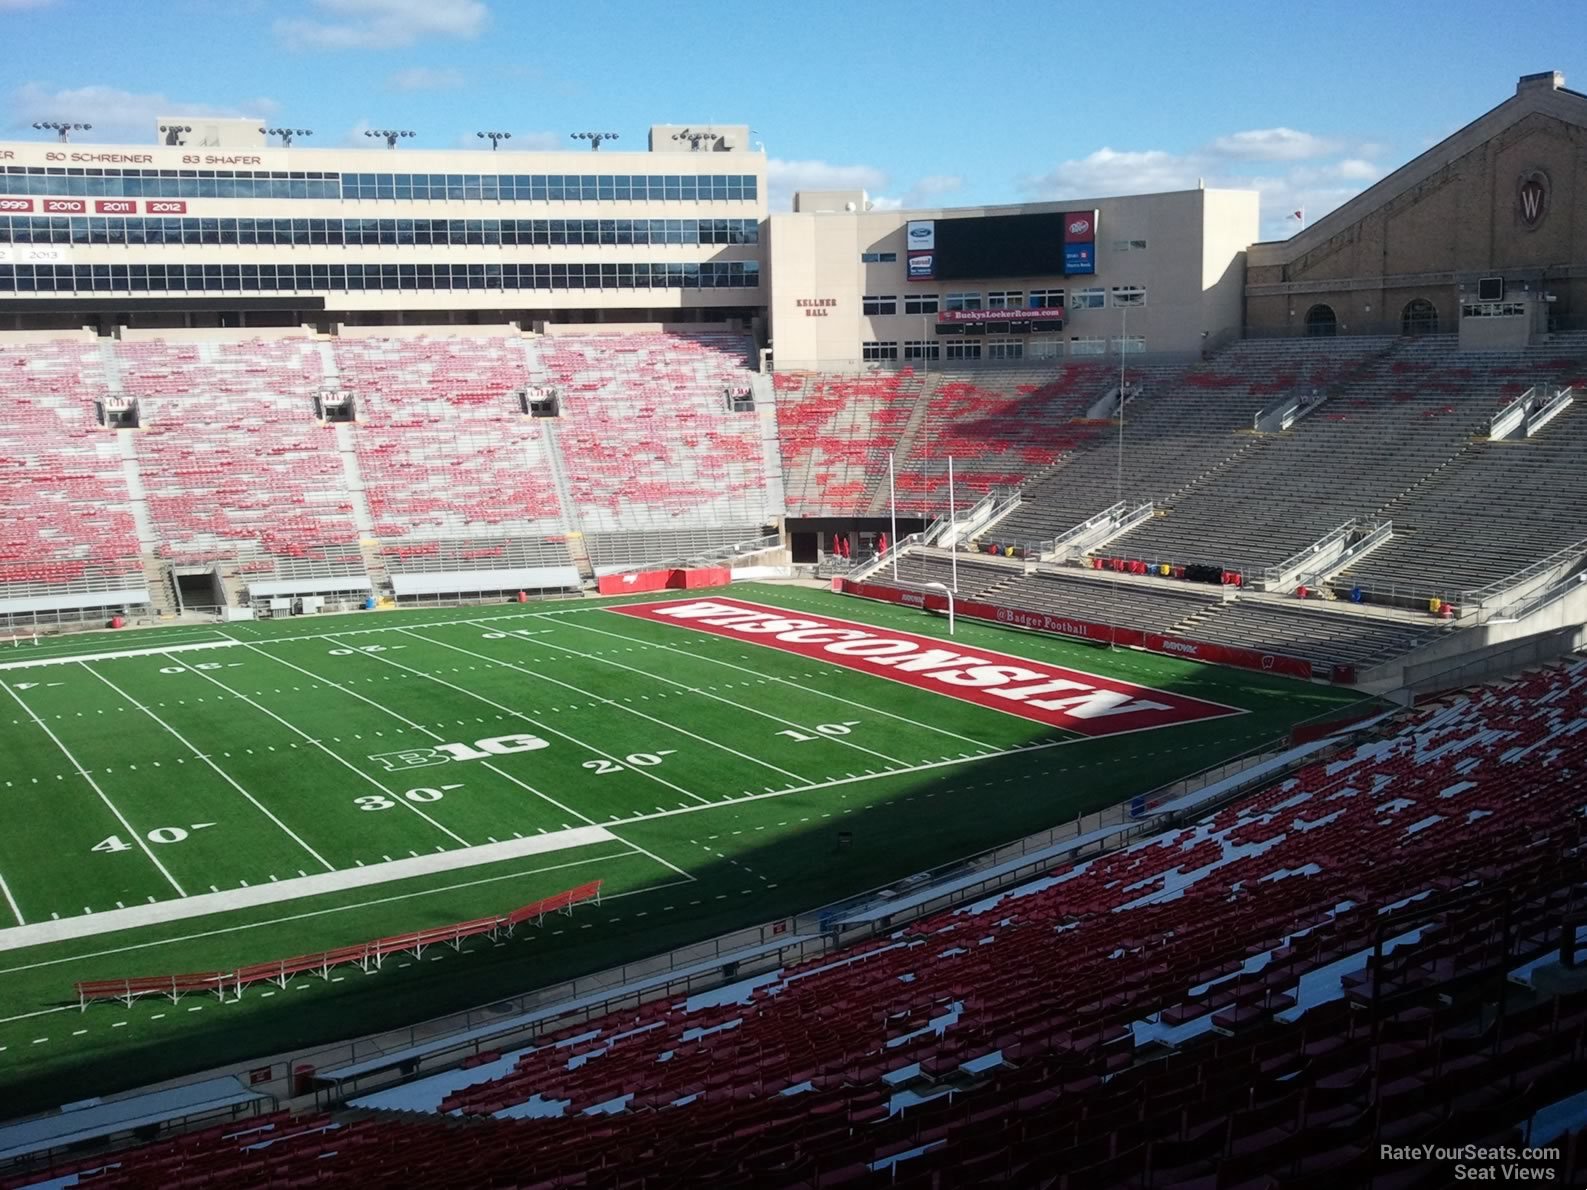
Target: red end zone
1071	699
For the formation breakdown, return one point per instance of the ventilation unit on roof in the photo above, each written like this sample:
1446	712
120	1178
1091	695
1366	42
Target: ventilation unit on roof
117	413
740	398
539	400
335	405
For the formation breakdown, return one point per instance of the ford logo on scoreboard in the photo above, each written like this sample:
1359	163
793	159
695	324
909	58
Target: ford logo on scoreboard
922	266
921	234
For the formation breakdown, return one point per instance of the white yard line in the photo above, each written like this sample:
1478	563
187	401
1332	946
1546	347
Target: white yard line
618	706
154	651
224	776
419	727
536	724
401	801
12	901
866	707
137	836
134	916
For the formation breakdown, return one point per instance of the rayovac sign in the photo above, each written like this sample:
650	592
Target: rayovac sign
921	266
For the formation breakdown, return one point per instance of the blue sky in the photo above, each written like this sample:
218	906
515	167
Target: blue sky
943	103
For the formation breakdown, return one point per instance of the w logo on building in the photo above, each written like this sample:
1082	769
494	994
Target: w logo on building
1532	198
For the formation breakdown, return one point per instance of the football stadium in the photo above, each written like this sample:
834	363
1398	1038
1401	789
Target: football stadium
539	669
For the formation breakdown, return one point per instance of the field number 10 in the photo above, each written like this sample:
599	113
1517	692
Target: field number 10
827	729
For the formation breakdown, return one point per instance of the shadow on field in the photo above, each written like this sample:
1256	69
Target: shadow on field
895	827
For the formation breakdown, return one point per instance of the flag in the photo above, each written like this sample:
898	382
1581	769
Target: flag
1298	215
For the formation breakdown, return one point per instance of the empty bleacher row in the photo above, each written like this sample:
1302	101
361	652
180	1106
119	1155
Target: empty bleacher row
1119	601
64	505
647	439
230	464
1184	426
1202	1008
1324	635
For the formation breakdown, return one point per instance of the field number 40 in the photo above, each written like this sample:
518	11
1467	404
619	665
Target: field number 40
826	729
160	834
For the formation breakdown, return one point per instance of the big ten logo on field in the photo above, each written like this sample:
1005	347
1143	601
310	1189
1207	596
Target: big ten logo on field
418	758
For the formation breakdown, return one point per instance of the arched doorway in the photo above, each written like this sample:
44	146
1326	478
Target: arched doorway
1420	317
1320	320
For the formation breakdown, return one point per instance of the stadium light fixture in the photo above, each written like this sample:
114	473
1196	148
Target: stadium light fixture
175	132
697	139
62	129
495	138
286	134
390	135
595	138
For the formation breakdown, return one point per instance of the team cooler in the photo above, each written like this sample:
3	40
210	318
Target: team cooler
1085	703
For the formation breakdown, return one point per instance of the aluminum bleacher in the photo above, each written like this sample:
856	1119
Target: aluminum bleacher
1185	426
646	436
65	523
443	446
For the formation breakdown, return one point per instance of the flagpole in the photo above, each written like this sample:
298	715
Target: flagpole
953	518
892	507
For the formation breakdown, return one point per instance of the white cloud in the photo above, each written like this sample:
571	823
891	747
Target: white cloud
1356	168
1304	179
785	177
425	78
117	115
930	187
1272	144
383	24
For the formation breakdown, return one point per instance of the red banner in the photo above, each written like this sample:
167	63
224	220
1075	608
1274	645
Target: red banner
1015	314
115	206
16	204
65	206
1073	700
1080	227
1172	646
164	206
638	582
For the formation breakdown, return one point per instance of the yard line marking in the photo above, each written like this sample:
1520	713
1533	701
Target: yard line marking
12	901
537	724
614	703
784	681
276	921
346	880
224	776
94	785
401	718
708	694
401	801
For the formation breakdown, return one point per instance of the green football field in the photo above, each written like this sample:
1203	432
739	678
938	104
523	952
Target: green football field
193	799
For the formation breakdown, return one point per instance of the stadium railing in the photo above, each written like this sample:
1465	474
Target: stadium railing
365	955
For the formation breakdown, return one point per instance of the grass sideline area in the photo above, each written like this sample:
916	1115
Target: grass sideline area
175	770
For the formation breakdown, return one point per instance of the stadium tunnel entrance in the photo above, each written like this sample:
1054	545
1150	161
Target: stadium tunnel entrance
814	539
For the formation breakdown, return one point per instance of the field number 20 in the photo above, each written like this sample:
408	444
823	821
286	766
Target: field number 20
635	760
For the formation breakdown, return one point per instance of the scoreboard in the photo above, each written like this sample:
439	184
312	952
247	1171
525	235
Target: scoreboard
987	247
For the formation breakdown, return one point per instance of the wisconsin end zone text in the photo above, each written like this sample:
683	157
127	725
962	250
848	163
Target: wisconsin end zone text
1073	700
